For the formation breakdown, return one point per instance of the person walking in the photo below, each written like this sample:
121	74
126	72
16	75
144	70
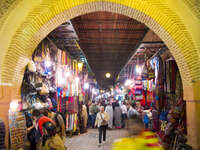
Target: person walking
109	110
118	116
93	111
124	114
102	123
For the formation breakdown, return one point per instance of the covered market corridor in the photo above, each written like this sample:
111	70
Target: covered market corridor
24	25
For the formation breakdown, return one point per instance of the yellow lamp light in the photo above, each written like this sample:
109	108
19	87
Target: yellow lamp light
108	75
80	66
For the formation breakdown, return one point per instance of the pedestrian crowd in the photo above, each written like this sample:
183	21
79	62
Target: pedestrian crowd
109	114
46	129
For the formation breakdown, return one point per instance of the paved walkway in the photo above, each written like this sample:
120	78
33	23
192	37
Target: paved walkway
89	140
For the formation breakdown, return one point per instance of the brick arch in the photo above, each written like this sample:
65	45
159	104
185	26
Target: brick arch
170	21
44	18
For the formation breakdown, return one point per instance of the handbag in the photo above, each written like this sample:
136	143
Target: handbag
104	122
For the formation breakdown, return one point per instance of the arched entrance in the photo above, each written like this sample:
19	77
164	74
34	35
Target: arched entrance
25	24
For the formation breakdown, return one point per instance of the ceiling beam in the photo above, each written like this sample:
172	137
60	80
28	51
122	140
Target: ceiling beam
97	21
108	38
61	30
114	31
99	30
108	42
107	52
134	52
109	45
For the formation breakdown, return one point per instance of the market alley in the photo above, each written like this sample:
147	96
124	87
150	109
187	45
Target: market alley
89	140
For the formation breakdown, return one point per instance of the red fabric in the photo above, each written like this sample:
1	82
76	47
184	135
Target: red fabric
83	92
143	100
43	120
153	145
150	137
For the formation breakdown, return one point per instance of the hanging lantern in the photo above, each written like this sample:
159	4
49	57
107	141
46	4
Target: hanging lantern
80	66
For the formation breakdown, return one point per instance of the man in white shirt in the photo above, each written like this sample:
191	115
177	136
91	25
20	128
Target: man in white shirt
124	113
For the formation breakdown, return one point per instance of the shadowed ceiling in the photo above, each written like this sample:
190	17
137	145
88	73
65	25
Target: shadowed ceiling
107	39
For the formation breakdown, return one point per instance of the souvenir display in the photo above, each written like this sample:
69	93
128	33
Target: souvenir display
52	80
157	91
17	126
138	89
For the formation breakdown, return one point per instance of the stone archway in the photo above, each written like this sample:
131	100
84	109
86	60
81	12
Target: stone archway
25	24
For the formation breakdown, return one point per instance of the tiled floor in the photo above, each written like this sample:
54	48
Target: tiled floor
89	140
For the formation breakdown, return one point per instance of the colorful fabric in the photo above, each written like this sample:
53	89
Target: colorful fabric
138	82
139	97
146	141
138	92
138	87
163	116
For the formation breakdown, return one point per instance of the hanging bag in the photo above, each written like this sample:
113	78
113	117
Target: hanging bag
31	66
104	122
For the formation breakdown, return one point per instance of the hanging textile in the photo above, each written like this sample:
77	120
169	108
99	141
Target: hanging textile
66	59
75	122
71	122
151	74
63	58
72	104
179	86
173	78
168	70
67	121
59	56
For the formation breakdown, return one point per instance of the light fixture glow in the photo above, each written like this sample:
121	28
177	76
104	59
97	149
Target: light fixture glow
59	73
86	86
14	105
93	91
80	66
67	74
60	78
77	79
128	82
47	63
108	75
138	69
